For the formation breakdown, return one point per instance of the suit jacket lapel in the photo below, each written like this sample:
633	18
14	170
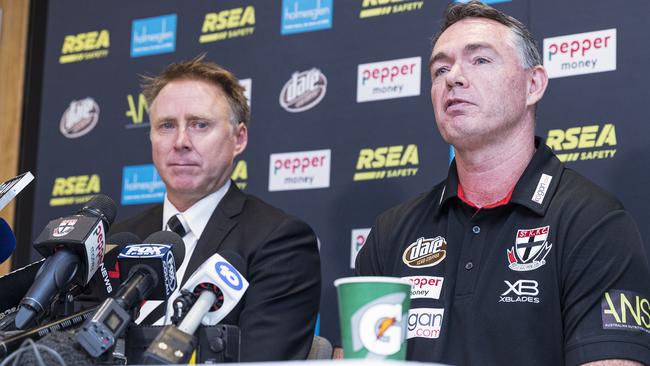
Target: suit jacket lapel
223	220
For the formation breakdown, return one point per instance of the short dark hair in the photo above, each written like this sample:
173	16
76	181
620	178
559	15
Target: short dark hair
198	69
525	43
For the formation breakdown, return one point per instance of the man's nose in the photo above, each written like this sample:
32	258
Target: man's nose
456	77
182	139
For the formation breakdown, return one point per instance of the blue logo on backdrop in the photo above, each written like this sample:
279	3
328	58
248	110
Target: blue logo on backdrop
141	184
151	36
485	1
306	15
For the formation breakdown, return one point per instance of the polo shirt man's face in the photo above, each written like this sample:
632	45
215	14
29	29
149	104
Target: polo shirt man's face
193	140
479	83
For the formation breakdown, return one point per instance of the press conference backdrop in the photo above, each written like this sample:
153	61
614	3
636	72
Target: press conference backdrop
342	124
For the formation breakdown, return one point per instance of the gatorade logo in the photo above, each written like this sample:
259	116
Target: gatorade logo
377	326
74	189
85	46
227	24
387	162
592	142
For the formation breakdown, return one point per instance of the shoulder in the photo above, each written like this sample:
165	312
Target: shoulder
414	208
265	217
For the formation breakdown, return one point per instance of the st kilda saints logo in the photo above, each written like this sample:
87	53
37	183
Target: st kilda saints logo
64	228
530	250
425	252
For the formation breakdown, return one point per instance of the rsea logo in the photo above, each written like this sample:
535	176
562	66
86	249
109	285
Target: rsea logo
85	46
299	170
240	174
589	142
79	118
75	189
388	79
424	323
582	53
141	184
387	162
376	8
357	241
306	15
303	91
625	310
152	36
137	111
227	24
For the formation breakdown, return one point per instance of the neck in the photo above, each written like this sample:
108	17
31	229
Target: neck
488	173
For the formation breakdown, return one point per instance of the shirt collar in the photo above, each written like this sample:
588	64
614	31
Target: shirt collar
197	216
535	187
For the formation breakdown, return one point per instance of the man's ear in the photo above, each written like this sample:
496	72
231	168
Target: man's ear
241	138
537	83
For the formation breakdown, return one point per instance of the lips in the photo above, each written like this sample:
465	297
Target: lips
455	101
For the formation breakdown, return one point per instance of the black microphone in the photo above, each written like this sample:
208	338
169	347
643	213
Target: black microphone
217	286
148	271
61	346
74	247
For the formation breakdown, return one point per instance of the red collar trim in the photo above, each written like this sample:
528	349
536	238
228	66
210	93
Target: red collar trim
501	202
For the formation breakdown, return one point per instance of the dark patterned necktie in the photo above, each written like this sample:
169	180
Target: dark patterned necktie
174	224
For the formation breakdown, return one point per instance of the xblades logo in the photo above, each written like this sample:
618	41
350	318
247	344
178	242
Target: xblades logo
525	291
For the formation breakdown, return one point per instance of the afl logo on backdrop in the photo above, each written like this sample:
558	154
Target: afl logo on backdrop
303	91
80	118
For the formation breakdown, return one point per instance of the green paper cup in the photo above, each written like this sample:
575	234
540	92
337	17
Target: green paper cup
373	313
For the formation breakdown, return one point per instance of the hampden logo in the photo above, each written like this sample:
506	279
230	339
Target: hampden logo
303	91
530	250
375	8
387	162
74	190
377	326
357	241
85	46
582	53
141	184
425	252
583	142
227	24
388	79
306	15
79	118
625	310
152	36
299	170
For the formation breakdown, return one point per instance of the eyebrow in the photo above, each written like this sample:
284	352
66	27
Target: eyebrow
469	48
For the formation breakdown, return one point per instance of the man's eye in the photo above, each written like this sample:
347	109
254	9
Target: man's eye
166	125
439	71
481	60
200	124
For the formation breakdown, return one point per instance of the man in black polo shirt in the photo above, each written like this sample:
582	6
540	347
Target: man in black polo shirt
514	259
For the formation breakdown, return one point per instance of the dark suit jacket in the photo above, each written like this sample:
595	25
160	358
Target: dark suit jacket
278	313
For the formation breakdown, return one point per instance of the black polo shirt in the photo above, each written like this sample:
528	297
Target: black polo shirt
557	275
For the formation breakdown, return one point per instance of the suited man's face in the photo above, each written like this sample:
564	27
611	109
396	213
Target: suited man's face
193	140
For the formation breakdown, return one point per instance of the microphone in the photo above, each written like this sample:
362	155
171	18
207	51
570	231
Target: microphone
147	271
74	247
7	241
217	286
53	349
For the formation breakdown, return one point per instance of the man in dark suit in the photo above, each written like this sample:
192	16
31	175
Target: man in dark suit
199	124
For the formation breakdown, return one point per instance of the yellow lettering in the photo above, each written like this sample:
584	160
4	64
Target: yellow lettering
241	171
394	153
588	136
249	16
235	16
646	309
68	44
365	159
222	20
571	138
94	184
137	114
612	309
380	157
410	156
104	39
625	303
209	22
59	187
554	139
607	136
